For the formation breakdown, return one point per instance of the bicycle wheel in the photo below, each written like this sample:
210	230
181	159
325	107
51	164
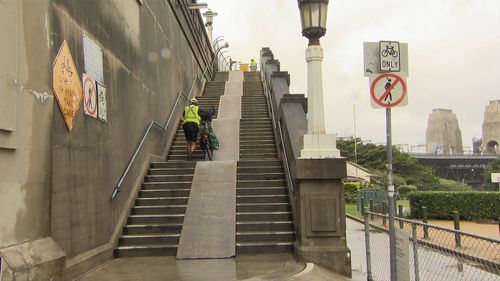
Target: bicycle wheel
395	54
384	53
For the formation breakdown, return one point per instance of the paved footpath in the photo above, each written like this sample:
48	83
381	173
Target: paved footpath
256	267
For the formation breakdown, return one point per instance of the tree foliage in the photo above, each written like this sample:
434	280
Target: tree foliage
406	169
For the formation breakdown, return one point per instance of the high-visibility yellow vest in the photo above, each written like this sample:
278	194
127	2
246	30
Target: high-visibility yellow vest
191	114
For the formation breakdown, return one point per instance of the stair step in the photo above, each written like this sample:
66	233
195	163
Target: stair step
262	207
161	201
149	250
265	236
171	171
159	210
262	150
259	156
260	176
258	163
249	147
168	178
262	190
143	240
263	247
243	226
195	157
255	137
184	192
260	183
156	219
262	198
166	185
185	164
263	216
148	229
260	169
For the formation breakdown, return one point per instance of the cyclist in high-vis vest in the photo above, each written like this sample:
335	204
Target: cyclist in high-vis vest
191	125
253	65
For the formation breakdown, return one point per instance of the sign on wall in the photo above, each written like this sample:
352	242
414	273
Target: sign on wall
66	85
101	103
93	59
89	96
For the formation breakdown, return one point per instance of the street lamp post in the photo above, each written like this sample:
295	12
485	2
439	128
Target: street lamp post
316	143
209	20
320	208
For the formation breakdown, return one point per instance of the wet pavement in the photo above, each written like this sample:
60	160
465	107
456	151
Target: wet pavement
250	267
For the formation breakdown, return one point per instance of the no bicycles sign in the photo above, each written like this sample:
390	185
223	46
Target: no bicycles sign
388	90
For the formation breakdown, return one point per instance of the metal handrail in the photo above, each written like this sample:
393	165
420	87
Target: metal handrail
277	125
117	188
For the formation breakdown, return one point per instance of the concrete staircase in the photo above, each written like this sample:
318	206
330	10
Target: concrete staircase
264	218
215	88
155	222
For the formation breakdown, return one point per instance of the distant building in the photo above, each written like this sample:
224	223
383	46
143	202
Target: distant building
443	135
491	128
477	145
356	172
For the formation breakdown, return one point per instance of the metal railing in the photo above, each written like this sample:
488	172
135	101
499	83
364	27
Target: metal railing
277	127
434	252
164	128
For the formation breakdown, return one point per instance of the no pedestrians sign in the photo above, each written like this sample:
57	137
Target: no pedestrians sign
388	90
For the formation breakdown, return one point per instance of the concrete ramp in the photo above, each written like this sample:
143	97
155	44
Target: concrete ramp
228	134
209	228
229	107
227	124
236	76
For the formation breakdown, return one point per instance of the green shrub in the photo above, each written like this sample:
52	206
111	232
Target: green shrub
351	190
440	204
451	185
403	190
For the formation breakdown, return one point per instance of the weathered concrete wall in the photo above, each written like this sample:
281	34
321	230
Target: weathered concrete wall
26	112
55	183
491	128
443	135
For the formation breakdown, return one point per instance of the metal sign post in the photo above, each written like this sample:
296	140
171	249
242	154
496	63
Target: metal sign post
390	195
386	64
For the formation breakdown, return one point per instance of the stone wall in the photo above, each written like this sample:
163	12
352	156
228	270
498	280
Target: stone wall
491	128
318	198
55	184
443	135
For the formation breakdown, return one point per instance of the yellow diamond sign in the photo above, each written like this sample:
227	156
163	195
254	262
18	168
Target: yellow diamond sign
67	85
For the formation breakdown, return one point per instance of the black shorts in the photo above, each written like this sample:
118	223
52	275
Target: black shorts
190	131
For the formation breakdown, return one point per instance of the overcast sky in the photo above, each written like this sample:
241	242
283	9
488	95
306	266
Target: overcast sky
454	57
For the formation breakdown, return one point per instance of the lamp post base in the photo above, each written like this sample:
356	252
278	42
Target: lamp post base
319	146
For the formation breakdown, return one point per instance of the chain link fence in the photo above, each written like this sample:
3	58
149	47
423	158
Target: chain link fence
434	253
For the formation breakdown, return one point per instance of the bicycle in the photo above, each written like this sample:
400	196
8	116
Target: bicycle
389	50
208	139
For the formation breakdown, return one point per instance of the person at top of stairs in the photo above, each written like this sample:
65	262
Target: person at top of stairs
191	125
